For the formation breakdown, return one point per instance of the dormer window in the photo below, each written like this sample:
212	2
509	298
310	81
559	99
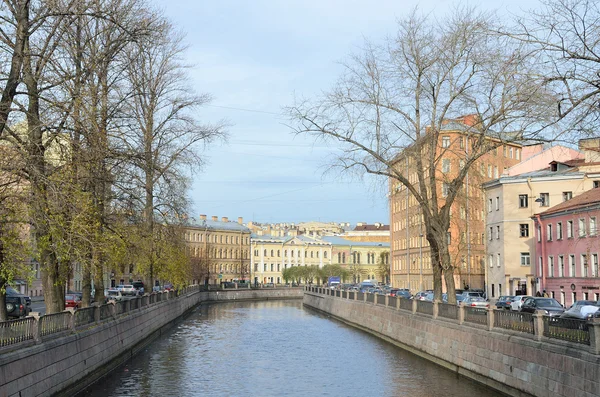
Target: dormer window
554	167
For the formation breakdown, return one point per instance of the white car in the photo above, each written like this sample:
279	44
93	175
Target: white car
128	289
517	302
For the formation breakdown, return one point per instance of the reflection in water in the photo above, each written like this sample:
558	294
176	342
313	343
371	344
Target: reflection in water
277	348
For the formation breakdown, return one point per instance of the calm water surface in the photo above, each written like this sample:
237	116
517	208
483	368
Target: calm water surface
277	348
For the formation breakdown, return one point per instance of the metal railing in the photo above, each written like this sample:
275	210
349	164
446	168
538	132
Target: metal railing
569	329
56	322
360	296
16	331
516	321
425	307
120	308
370	298
351	294
105	311
380	299
84	316
447	310
406	304
392	302
476	315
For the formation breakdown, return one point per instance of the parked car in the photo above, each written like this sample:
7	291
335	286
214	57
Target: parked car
582	310
72	300
16	306
115	295
10	291
421	295
129	289
517	302
403	294
549	305
504	301
475	301
467	294
139	286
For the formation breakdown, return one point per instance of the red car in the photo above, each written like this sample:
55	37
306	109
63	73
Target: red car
72	301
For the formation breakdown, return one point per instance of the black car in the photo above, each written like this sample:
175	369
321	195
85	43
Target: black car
16	306
549	305
10	291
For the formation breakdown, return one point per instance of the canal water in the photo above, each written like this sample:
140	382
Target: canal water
277	348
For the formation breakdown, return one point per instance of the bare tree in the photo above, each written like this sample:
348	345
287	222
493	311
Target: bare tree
387	112
164	136
564	37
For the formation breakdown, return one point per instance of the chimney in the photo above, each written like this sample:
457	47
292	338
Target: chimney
202	217
224	219
215	218
240	220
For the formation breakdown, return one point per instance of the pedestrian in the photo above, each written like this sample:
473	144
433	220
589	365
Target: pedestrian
537	294
545	294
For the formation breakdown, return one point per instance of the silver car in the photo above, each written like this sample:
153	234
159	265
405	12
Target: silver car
475	301
517	302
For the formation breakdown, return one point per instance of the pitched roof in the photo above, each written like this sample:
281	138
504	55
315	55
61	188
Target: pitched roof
586	199
216	225
372	227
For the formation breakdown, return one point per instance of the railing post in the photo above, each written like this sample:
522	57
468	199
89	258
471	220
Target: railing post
36	328
594	330
97	312
398	303
436	309
387	300
365	297
71	318
490	318
461	314
356	295
538	324
113	309
414	306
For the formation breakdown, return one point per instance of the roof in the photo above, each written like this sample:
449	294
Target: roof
586	199
545	173
372	227
208	224
334	240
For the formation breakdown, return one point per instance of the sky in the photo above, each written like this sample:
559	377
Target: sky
255	57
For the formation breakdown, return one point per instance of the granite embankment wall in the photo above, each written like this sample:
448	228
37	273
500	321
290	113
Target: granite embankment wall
514	363
67	362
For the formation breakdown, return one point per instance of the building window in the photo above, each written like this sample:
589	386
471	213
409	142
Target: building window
445	165
445	189
593	226
594	265
491	260
550	266
325	254
489	171
584	265
545	199
559	232
497	203
561	266
497	232
448	238
497	260
569	229
511	153
524	230
496	171
490	205
571	265
567	196
445	141
272	267
549	232
265	267
523	203
539	233
596	184
582	231
491	233
525	259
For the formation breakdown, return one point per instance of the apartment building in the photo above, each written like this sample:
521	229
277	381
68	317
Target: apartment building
411	264
219	249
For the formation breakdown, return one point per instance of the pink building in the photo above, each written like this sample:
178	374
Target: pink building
567	247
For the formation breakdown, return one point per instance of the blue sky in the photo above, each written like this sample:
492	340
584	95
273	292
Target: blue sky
253	57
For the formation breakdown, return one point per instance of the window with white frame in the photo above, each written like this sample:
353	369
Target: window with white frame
545	199
497	232
582	230
491	233
445	189
525	259
594	265
524	230
523	202
497	260
490	205
593	230
559	231
567	196
561	266
571	265
584	265
549	232
445	165
445	141
569	229
491	260
539	233
497	203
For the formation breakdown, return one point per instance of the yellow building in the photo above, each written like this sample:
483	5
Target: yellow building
219	250
364	260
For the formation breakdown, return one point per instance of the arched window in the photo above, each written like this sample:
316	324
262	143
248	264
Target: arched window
325	254
265	253
271	252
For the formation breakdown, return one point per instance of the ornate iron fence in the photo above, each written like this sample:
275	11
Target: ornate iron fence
569	329
406	304
516	321
16	331
84	316
447	310
477	315
425	307
55	322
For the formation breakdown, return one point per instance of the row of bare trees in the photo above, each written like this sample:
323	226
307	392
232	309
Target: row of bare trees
98	127
529	78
